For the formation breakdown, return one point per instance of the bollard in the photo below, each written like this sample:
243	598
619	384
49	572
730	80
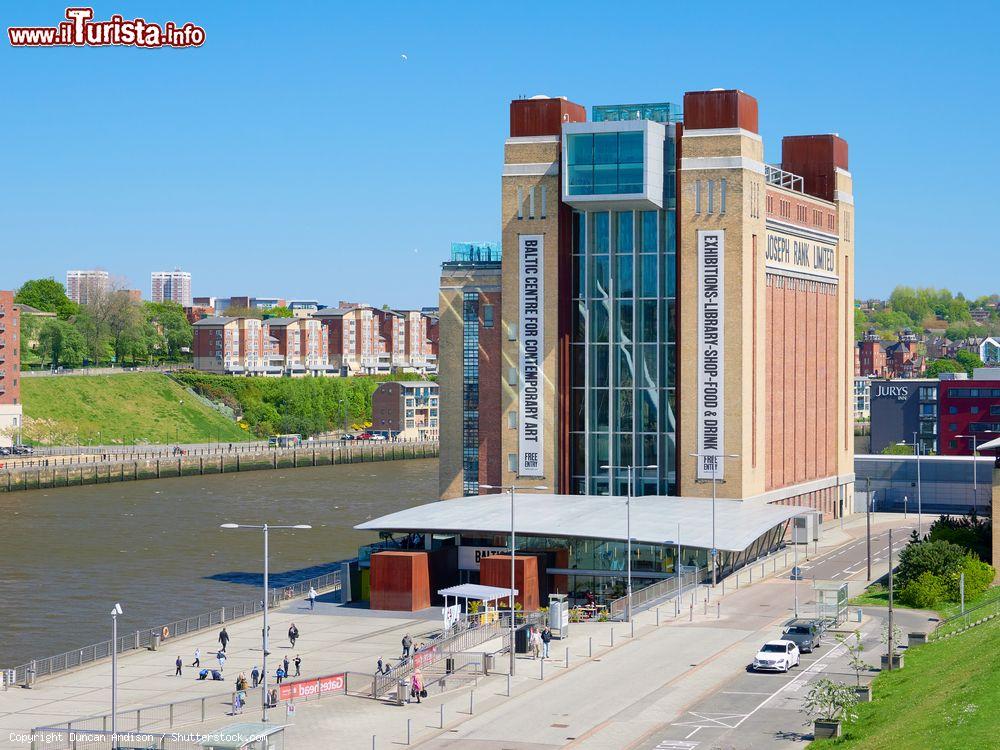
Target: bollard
751	573
567	657
541	669
691	614
706	606
409	729
612	636
723	586
590	647
508	686
470	703
762	573
632	623
737	581
718	610
708	594
373	742
442	716
657	617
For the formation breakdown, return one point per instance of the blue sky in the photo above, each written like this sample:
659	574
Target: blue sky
296	154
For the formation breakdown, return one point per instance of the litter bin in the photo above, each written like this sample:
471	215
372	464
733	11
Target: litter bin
449	665
29	678
521	636
154	644
488	663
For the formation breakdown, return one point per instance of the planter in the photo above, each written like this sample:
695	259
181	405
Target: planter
864	693
825	729
897	661
916	639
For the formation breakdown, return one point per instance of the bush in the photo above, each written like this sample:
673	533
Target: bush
940	558
923	592
978	577
971	532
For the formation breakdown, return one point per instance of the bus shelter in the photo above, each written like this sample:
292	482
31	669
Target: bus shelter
474	592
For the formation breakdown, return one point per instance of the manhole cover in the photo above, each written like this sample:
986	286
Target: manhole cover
559	726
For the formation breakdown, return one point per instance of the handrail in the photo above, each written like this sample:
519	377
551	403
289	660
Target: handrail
26	673
985	610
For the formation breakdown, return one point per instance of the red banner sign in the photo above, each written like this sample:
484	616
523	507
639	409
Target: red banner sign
333	683
425	656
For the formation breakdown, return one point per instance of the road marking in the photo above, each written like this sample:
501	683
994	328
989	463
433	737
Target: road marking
742	692
715	720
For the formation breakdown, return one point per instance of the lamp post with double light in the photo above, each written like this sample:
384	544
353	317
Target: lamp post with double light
511	489
630	493
264	635
115	611
715	475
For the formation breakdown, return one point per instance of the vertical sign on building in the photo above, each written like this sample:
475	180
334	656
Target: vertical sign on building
711	246
531	406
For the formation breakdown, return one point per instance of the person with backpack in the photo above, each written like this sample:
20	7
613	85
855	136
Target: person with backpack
312	598
293	634
178	664
546	641
407	645
255	676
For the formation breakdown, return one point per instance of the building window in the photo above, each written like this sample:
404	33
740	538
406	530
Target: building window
520	211
531	203
487	316
711	196
544	200
512	419
697	196
953	426
953	410
974	410
722	195
470	393
605	163
512	462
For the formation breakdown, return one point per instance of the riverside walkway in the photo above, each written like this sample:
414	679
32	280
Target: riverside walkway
616	689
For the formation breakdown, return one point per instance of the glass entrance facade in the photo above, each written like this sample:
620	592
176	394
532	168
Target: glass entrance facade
623	368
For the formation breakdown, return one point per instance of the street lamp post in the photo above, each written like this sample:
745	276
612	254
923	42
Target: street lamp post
511	488
916	450
264	635
115	611
630	489
975	479
715	474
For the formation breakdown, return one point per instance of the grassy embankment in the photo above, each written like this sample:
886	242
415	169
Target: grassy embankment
119	409
877	595
947	697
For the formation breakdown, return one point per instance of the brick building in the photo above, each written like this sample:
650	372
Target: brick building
406	409
665	292
969	411
10	369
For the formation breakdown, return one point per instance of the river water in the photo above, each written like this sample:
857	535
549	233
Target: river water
67	555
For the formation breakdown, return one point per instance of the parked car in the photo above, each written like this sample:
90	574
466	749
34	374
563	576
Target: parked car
22	450
776	656
5	450
377	436
806	634
347	436
365	436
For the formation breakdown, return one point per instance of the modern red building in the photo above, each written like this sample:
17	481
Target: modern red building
969	412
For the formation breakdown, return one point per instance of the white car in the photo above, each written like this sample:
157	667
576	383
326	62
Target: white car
776	656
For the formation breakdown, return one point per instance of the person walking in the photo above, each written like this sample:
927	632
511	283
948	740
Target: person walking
224	638
197	658
407	645
279	675
546	641
178	664
379	667
255	676
298	665
535	642
284	665
293	634
221	657
416	685
312	598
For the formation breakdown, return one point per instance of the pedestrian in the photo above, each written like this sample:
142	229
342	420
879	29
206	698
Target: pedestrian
284	665
279	674
197	658
274	698
407	645
546	641
178	664
535	641
224	639
255	676
298	665
312	598
221	656
378	667
416	685
293	634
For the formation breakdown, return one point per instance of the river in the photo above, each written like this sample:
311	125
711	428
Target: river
67	555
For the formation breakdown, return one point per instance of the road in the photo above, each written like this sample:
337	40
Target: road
751	710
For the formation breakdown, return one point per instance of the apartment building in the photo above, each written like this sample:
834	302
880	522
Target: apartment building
10	369
302	345
356	344
249	346
83	286
171	286
406	409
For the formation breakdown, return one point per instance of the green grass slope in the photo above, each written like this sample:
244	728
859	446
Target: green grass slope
947	698
128	408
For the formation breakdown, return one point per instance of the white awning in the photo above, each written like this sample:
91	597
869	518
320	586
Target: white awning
995	443
477	591
737	524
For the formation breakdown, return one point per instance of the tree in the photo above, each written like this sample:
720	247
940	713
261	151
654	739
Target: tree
940	558
969	361
855	647
830	701
923	592
243	312
172	331
47	295
978	577
118	319
936	366
61	344
281	311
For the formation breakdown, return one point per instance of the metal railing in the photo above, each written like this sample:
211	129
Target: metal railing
25	674
970	618
665	589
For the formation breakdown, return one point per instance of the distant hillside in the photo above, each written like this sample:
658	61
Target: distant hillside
127	408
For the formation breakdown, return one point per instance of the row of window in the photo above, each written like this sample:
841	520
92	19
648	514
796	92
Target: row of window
531	202
709	188
974	392
994	410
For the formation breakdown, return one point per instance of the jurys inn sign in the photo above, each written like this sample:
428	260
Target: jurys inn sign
898	392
